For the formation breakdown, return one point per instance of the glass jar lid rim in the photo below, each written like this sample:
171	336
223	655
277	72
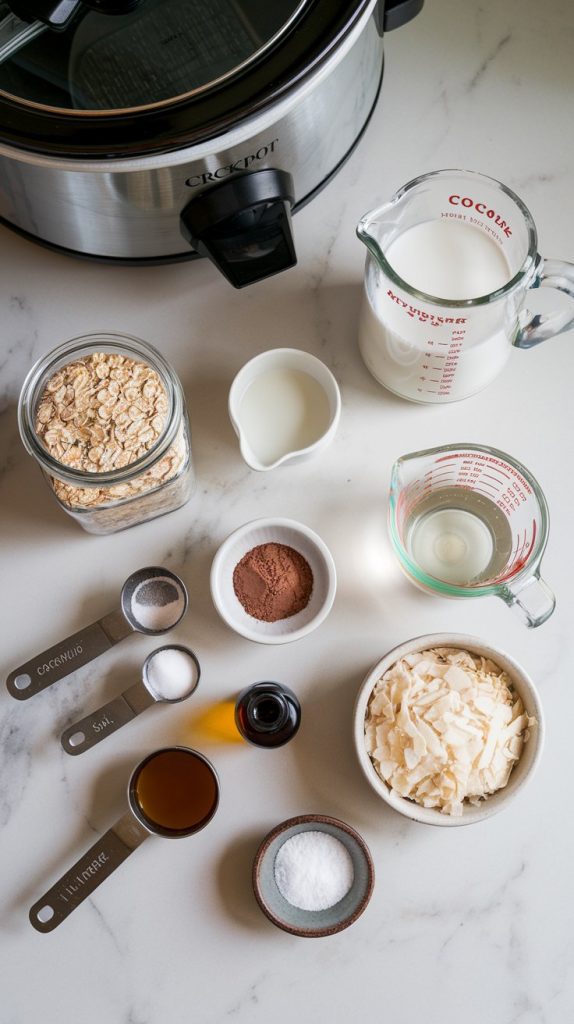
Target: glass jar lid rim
47	365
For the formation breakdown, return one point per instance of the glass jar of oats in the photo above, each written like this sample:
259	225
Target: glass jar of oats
104	415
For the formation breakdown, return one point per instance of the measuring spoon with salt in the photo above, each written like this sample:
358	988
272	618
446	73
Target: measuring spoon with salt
173	793
153	600
169	675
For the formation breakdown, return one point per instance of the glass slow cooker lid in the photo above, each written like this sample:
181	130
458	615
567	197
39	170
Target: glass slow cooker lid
166	75
137	53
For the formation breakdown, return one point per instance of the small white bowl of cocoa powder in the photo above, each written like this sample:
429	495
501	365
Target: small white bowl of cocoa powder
273	581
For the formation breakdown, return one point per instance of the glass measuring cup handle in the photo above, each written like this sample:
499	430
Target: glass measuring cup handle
533	601
87	873
107	719
67	655
534	328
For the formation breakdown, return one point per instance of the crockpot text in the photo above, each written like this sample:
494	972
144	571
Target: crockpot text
243	164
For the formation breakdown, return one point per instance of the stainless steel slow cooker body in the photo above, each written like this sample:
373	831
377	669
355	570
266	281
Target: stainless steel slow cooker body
172	204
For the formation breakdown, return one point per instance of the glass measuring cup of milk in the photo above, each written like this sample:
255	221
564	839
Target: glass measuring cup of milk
470	521
451	259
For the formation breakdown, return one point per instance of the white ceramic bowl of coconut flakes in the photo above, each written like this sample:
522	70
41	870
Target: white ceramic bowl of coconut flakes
523	769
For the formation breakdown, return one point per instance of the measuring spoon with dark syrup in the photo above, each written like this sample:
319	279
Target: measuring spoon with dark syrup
172	793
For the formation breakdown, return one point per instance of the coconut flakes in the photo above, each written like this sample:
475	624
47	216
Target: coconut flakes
444	726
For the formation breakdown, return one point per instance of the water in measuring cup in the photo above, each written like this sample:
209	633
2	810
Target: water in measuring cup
458	536
449	260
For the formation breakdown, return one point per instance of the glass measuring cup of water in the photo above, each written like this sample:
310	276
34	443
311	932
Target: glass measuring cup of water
468	521
173	793
451	259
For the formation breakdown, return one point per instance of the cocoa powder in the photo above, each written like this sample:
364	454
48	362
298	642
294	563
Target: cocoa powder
272	582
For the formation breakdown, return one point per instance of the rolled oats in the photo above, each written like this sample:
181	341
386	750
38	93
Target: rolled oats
100	413
77	409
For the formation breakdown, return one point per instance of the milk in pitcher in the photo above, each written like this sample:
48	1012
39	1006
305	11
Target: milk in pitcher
425	353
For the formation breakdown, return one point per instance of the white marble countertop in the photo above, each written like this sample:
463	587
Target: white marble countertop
470	925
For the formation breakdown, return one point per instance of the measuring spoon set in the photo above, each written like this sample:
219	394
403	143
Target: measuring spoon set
174	791
153	601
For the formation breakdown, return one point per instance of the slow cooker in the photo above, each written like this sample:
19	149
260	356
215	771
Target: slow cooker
159	130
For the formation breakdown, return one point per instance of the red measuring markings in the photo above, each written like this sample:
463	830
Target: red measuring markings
519	558
475	458
445	474
512	497
491	488
446	369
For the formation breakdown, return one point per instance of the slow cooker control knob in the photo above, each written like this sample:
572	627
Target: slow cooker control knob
244	225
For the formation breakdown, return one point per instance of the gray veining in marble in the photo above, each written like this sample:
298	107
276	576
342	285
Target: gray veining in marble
466	926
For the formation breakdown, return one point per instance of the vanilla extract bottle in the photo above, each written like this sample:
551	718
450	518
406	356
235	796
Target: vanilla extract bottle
267	714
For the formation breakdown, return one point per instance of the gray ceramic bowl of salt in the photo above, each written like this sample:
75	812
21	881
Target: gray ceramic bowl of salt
313	923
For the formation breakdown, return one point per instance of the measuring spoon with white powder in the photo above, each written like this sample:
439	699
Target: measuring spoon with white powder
169	675
152	601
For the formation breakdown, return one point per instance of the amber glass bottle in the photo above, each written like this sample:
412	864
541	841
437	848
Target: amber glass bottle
267	714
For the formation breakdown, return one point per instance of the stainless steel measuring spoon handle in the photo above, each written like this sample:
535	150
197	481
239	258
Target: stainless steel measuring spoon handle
107	719
117	712
68	655
88	872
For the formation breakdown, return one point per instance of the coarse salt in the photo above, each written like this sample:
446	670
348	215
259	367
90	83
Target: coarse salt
172	674
313	870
